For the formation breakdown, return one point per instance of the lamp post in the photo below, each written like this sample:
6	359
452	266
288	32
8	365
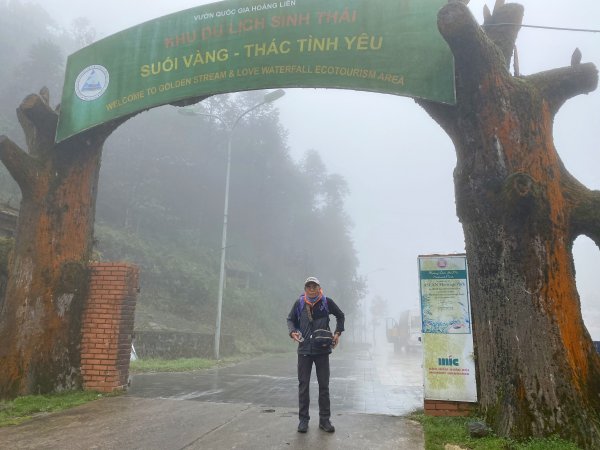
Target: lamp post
366	311
268	98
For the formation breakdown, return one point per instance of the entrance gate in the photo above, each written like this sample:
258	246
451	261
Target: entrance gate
239	45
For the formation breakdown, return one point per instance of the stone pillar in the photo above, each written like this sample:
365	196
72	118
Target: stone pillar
107	327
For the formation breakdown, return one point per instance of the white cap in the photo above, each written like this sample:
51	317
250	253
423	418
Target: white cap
312	280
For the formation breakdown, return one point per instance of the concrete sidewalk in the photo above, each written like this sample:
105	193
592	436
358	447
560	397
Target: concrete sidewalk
128	422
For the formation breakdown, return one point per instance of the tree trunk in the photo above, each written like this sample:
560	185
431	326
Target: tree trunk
521	211
41	312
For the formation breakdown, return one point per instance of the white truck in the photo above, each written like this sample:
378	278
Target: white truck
405	333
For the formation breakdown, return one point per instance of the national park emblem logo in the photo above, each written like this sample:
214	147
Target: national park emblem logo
91	83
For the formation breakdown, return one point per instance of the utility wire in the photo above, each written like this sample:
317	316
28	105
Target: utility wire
544	27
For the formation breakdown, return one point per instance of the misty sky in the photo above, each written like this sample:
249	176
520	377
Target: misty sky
397	161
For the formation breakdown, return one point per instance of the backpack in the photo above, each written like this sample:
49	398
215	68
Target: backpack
323	338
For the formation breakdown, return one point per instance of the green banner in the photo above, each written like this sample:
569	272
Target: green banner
388	46
443	274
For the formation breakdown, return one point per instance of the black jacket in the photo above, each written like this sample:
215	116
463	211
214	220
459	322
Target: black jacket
320	321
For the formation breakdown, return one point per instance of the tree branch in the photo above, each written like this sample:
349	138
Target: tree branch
444	115
586	216
559	85
19	164
468	42
39	123
504	36
584	207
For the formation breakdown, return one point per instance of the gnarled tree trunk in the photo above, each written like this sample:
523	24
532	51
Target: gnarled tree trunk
521	211
41	312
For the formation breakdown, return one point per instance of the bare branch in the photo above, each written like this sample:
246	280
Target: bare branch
444	115
45	94
559	85
487	15
586	216
499	4
576	57
498	26
39	123
18	163
468	43
457	25
584	206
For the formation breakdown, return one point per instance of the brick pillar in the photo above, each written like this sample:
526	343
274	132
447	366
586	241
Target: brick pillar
107	327
447	408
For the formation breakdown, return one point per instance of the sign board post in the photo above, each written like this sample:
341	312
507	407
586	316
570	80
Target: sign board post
448	360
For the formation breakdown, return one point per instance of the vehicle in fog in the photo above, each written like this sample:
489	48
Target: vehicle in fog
405	333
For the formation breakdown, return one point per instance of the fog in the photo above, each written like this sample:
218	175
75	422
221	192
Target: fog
397	161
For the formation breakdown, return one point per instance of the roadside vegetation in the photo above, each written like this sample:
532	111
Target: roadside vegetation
179	365
21	409
162	208
440	431
25	408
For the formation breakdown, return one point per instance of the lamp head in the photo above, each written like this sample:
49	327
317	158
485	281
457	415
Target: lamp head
274	95
187	111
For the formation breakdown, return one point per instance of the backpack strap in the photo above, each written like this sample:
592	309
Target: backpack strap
300	305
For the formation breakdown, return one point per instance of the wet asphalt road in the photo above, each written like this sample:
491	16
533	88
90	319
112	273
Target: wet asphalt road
365	381
249	406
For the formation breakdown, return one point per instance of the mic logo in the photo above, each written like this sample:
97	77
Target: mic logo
449	361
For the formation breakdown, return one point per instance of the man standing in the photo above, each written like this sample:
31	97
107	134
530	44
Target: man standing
308	324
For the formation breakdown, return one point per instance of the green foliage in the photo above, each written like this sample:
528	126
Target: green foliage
161	192
175	288
171	365
43	67
162	208
35	57
24	408
440	431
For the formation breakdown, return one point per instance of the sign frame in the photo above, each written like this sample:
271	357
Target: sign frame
449	369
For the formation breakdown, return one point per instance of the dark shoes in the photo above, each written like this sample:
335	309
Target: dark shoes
325	425
303	426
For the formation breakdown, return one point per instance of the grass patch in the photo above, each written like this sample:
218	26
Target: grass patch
19	410
440	431
24	408
178	365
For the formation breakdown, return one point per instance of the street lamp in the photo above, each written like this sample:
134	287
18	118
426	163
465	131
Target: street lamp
366	311
268	98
